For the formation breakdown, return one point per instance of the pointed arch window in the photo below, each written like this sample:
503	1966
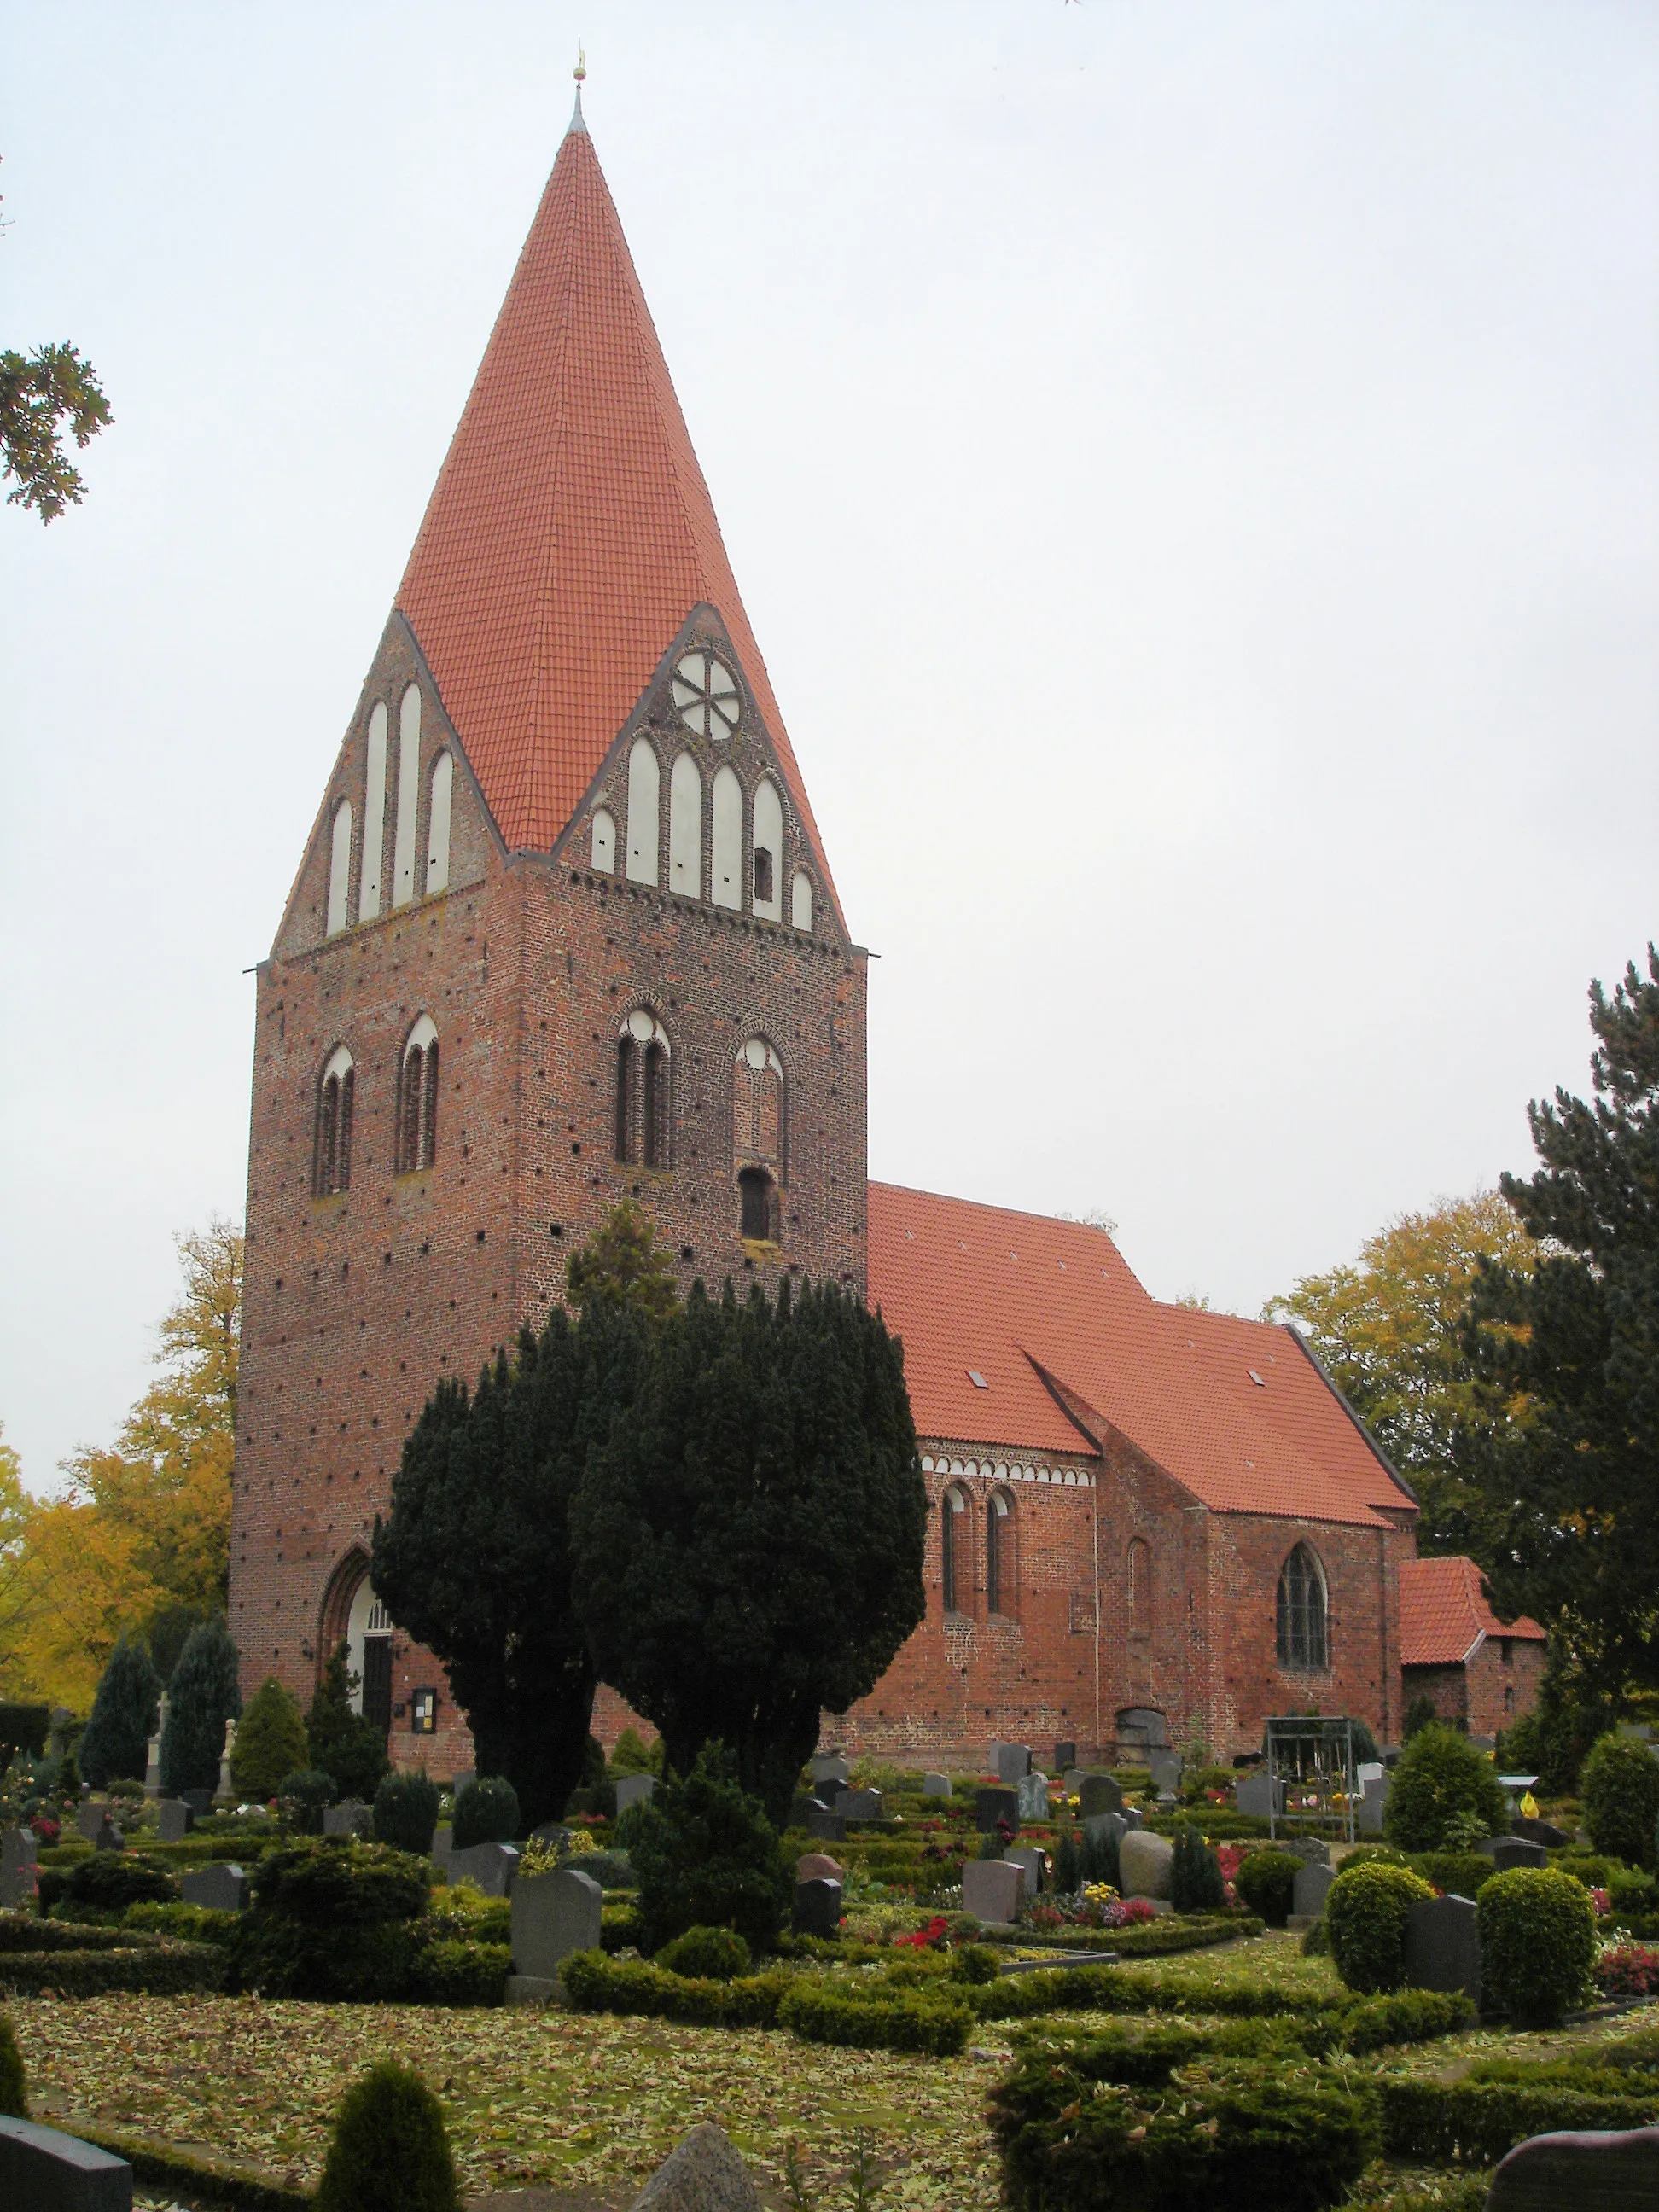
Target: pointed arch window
726	844
644	792
644	1100
1303	1614
1001	1583
1139	1579
339	868
437	834
604	842
769	852
685	827
331	1170
368	897
409	792
953	1548
418	1099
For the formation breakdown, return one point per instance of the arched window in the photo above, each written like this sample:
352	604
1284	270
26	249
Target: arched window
437	833
418	1099
1139	1578
685	827
369	897
644	791
644	1124
726	842
409	790
953	1524
1000	1571
769	852
604	843
758	1137
1302	1641
800	900
332	1157
339	868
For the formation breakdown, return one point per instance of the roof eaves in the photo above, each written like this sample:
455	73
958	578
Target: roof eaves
1376	1448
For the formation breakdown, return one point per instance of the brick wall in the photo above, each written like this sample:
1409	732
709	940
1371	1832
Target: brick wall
1497	1685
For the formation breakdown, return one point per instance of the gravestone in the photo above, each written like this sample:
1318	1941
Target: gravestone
464	1780
1101	1826
634	1789
1368	1769
1443	1946
1031	1796
1507	1851
861	1805
1130	1817
221	1887
935	1785
173	1820
552	1832
817	1906
88	1819
200	1802
109	1837
1540	1832
1314	1848
443	1843
1373	1806
1065	1756
817	1866
701	2173
830	1766
1098	1793
1310	1889
1164	1766
802	1807
1259	1794
990	1890
491	1866
1013	1763
1146	1862
153	1767
41	2168
1035	1863
353	1818
828	1827
1614	2172
19	1880
991	1806
553	1915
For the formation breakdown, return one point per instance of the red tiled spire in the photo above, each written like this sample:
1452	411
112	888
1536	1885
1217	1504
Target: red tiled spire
570	531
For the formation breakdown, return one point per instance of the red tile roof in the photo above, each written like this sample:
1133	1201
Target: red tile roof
1443	1613
1019	1298
570	531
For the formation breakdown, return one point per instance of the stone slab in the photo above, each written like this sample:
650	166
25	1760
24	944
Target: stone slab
1100	1826
353	1818
1258	1794
1035	1864
1013	1763
42	2170
861	1805
1031	1796
991	1806
701	2173
19	1877
1443	1946
1540	1832
553	1915
935	1785
491	1866
634	1789
1314	1848
200	1802
1610	2171
830	1766
1065	1756
1098	1793
1507	1851
1310	1889
817	1906
1373	1806
1164	1767
828	1827
173	1820
1147	1862
88	1819
991	1890
811	1865
222	1888
1062	1959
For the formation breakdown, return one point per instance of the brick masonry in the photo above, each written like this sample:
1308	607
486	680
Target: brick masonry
1495	1686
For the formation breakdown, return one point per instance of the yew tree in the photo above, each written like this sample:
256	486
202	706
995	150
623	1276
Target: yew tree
748	1537
1573	1488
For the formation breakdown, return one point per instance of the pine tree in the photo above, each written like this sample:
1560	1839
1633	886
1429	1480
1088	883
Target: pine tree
270	1742
1573	1487
114	1745
204	1695
345	1745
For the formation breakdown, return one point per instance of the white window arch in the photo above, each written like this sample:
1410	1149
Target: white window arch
769	852
727	840
368	897
644	1097
437	835
603	857
339	868
409	792
331	1170
369	1655
644	791
685	827
416	1144
800	900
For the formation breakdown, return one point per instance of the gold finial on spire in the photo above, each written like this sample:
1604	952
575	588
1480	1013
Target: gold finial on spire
580	70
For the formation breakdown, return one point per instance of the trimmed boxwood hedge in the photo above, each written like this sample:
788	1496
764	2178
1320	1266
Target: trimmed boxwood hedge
1267	1882
1476	2122
1366	1910
1537	1929
107	1881
820	2012
157	1970
21	1932
630	1987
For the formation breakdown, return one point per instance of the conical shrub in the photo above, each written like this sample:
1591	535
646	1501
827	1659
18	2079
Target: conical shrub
389	2151
204	1695
115	1742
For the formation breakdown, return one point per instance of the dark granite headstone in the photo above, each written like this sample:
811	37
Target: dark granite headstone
1098	1793
40	2167
991	1806
802	1807
173	1820
1443	1946
861	1805
817	1906
1615	2171
828	1827
1065	1756
1540	1832
200	1802
221	1889
352	1818
1507	1851
109	1837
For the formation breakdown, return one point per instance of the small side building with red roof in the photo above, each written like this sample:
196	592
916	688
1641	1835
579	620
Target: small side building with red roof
1479	1673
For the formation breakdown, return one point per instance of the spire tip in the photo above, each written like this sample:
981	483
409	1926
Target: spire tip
577	121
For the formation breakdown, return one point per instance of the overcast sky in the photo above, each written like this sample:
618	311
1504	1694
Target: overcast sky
1191	470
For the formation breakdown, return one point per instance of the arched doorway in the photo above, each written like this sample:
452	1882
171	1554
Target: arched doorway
352	1610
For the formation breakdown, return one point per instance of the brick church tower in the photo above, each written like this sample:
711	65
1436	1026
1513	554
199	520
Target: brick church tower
563	933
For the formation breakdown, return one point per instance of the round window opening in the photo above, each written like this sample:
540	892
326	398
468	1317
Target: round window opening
705	693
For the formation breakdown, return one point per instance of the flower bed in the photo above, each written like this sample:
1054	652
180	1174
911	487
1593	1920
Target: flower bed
1627	1970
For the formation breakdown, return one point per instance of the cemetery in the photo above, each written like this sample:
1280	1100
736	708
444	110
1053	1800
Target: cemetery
1005	1987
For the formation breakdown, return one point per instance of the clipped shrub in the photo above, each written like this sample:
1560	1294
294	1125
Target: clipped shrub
1407	2017
457	1972
1421	1713
389	2150
1195	1879
187	1923
1265	1882
406	1813
344	1744
706	1857
270	1742
1459	1874
632	1988
304	1796
1440	1776
1538	1943
1621	1798
1097	1856
486	1812
633	1755
116	1739
332	1921
14	2089
1433	2122
715	1954
109	1881
155	1970
823	2012
335	1886
203	1695
1366	1910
